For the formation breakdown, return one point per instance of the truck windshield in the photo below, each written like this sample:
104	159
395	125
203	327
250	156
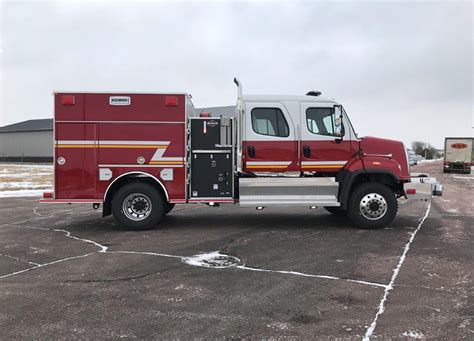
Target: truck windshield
349	120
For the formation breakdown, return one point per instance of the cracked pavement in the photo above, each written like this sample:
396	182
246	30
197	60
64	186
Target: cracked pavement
67	273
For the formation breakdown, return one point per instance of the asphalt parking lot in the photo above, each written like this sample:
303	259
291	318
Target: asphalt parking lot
67	273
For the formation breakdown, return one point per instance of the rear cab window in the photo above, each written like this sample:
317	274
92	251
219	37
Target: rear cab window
269	122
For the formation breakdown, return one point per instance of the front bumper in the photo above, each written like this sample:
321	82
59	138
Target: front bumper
422	187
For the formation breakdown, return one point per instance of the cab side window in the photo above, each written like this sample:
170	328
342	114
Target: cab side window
269	121
321	121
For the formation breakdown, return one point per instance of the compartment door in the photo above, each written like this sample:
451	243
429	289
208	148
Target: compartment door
211	174
76	161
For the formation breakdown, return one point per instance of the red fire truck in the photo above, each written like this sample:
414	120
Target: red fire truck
139	154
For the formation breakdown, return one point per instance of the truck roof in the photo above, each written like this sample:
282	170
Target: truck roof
459	137
123	92
289	98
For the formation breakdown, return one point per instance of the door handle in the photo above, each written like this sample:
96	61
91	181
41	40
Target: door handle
251	151
306	151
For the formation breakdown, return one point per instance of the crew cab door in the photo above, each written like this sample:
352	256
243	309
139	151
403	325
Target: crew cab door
322	149
269	143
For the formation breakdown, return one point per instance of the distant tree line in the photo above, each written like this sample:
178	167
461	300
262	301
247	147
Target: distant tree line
425	149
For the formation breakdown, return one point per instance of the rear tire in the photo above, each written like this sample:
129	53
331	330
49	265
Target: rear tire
372	206
138	206
336	211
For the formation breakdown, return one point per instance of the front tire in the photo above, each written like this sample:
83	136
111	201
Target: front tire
138	206
372	206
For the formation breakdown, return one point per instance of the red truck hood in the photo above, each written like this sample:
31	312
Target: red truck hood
378	146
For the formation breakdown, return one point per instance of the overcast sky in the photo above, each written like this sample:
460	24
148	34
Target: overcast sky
402	69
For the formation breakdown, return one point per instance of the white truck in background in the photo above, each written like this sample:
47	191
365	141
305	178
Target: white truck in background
413	158
458	154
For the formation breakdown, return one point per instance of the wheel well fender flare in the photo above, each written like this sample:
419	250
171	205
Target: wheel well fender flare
347	180
133	174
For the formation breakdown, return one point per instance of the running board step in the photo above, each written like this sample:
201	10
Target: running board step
278	191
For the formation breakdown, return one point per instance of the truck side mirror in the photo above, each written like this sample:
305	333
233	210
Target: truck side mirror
339	130
339	125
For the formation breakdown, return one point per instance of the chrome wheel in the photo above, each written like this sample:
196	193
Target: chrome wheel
373	206
137	206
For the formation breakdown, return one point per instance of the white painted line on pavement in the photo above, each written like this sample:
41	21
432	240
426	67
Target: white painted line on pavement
311	275
396	271
45	264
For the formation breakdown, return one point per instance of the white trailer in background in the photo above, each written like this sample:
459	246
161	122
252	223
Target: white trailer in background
458	154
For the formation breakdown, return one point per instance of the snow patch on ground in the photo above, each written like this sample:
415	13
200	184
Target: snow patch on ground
5	185
413	334
428	161
21	175
22	193
25	180
280	326
24	184
213	259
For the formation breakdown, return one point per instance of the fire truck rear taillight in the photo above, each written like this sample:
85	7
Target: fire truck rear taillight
171	101
47	195
411	191
68	100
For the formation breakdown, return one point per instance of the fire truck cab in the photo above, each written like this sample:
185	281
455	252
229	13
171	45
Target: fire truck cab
138	155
